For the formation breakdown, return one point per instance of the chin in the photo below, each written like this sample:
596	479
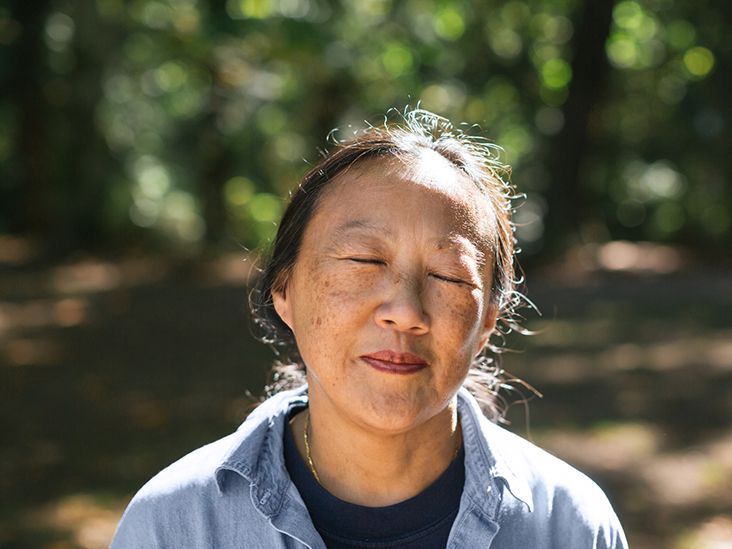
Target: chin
395	412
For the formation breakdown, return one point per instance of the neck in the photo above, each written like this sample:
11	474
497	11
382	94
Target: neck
364	466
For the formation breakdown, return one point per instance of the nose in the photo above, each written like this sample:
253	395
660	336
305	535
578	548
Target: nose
403	309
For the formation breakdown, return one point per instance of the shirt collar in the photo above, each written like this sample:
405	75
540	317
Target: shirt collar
495	452
257	452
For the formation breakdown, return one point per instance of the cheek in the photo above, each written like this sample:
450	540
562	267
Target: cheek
329	302
348	288
459	312
460	304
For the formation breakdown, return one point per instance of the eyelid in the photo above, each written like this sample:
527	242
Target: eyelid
367	260
377	261
451	279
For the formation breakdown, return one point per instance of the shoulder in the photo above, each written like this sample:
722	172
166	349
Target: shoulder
544	502
571	506
545	474
192	473
164	509
183	500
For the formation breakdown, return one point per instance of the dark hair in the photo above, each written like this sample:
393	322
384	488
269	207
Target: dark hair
416	131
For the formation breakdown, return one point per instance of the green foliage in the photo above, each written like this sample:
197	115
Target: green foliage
205	114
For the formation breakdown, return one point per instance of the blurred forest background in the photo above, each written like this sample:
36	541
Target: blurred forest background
146	151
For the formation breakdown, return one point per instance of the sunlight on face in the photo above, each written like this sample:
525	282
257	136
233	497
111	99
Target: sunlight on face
394	263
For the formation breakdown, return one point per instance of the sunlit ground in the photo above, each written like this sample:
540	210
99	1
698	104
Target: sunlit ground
112	369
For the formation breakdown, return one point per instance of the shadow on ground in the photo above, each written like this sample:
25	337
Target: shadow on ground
110	370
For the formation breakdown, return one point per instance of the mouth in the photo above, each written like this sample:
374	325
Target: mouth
394	362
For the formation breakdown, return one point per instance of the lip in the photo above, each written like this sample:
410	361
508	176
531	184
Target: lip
394	362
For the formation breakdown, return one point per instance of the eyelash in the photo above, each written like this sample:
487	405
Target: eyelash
370	261
367	260
448	279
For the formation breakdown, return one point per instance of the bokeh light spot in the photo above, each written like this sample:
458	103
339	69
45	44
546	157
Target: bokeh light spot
622	51
556	73
170	76
397	60
238	191
449	23
265	207
506	43
59	30
271	120
699	61
680	34
628	15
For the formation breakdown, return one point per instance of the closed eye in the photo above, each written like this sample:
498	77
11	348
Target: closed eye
449	279
367	260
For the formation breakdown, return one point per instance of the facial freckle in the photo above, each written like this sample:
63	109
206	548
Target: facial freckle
416	229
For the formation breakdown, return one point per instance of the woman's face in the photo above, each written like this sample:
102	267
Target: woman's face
389	297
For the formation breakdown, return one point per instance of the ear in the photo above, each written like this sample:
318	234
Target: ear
489	324
283	305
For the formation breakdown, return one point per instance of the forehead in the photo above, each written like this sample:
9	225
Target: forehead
450	201
434	171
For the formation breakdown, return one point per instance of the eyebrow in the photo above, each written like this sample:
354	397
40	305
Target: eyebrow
474	248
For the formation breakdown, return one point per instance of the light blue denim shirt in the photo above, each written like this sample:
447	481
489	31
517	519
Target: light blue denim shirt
236	493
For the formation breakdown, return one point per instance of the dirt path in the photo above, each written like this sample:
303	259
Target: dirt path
110	370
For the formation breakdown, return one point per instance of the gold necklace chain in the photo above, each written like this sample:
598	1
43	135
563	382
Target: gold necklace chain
307	447
309	457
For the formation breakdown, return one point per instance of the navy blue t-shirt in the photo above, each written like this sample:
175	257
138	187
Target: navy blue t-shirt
421	522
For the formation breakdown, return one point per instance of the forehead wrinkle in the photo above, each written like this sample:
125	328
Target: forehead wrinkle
436	173
359	226
478	224
473	238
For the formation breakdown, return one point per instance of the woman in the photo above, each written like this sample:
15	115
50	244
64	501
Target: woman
391	267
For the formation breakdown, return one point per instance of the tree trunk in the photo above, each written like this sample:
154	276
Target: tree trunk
32	213
567	152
